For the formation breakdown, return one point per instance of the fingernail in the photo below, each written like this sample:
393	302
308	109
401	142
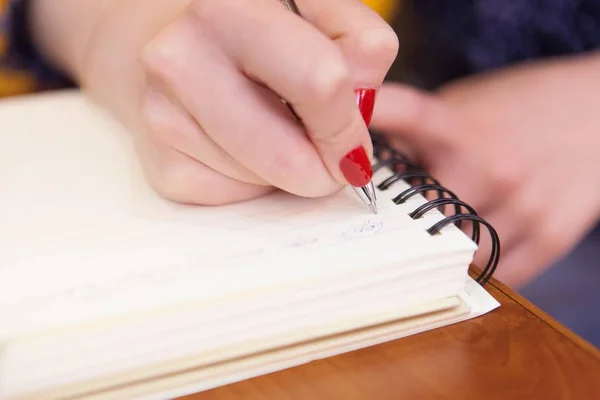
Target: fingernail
366	103
356	167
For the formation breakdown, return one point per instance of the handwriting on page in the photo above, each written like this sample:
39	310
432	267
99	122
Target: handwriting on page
104	270
367	228
149	270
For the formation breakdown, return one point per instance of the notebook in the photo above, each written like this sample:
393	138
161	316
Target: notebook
109	291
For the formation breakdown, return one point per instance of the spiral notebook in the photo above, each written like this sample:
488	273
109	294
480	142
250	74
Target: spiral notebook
108	291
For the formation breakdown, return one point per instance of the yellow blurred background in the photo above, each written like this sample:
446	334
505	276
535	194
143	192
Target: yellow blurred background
385	8
17	82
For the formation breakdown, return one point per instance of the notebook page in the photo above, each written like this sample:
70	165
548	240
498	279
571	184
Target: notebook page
77	359
84	236
475	303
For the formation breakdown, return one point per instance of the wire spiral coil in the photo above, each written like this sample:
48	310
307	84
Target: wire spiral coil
422	183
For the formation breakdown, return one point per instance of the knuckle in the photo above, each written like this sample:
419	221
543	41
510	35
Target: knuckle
380	44
171	180
552	241
184	181
305	169
345	133
211	11
212	16
329	77
166	56
179	180
160	131
163	126
506	177
290	168
418	115
529	212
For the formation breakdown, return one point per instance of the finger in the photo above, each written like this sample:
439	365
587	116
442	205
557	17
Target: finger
180	178
243	118
368	43
510	232
546	242
436	137
417	117
304	67
514	216
170	124
523	264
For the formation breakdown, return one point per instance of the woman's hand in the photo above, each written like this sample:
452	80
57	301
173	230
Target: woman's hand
200	83
522	146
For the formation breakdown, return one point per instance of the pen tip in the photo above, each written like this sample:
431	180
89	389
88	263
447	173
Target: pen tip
373	207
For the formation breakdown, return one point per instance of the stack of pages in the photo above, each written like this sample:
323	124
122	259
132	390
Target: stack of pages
108	291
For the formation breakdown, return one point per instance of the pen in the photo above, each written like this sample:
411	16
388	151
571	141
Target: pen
365	193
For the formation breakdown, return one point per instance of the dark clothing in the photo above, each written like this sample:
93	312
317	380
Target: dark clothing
442	40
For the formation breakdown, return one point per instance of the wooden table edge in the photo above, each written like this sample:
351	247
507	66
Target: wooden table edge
542	316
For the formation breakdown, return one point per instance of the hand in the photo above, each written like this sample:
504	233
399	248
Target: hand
520	145
200	84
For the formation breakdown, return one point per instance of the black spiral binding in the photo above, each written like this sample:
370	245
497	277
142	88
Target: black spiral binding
422	183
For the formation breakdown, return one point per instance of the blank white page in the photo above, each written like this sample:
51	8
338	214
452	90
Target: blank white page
82	234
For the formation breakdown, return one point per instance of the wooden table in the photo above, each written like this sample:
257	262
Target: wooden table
514	352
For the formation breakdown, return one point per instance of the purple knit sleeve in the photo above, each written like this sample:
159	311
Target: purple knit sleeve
20	53
455	38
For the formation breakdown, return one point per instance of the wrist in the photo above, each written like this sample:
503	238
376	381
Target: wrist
70	32
109	68
60	31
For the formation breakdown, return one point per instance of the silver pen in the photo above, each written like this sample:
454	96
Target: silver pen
365	193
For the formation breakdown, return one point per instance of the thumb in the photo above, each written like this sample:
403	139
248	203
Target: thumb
412	119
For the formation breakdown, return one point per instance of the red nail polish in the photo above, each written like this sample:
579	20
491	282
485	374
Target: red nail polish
366	103
356	167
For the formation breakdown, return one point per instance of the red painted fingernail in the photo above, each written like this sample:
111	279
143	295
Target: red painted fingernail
366	103
356	167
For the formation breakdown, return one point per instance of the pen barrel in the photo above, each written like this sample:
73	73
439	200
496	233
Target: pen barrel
291	5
